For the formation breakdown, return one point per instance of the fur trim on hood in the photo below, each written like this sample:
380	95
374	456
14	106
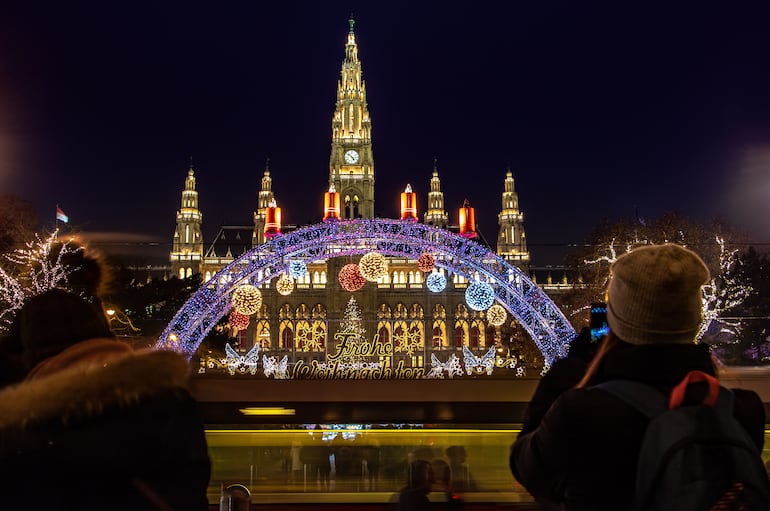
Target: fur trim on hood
85	390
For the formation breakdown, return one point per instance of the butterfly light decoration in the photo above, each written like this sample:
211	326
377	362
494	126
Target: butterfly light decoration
478	365
278	370
451	366
234	361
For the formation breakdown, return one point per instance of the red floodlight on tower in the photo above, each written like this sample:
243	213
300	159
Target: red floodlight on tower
467	220
331	205
272	220
409	204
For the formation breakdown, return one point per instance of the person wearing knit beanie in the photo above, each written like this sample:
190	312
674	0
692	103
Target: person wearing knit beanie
583	451
655	295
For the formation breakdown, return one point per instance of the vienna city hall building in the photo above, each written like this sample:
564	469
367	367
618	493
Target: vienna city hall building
299	315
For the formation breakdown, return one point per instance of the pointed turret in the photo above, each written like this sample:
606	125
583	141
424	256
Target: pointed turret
351	163
511	239
435	214
263	202
187	247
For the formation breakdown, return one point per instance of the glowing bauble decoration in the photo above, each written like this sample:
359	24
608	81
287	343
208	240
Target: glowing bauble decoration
247	299
479	296
297	269
436	282
350	278
284	285
238	321
373	266
497	314
426	262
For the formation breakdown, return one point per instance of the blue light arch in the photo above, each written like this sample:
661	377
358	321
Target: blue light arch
523	299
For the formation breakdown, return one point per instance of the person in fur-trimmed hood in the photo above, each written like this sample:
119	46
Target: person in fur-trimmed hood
95	424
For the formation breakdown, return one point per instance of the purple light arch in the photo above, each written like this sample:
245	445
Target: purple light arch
523	299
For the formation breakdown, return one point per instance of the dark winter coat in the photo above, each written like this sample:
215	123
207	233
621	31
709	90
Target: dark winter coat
584	452
124	435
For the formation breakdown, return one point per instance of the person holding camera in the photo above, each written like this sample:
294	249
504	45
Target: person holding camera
583	453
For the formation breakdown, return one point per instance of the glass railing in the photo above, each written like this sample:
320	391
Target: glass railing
360	462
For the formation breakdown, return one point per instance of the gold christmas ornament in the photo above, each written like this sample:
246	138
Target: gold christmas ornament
247	299
496	315
284	285
373	266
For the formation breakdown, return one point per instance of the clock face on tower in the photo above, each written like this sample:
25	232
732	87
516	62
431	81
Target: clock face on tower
351	157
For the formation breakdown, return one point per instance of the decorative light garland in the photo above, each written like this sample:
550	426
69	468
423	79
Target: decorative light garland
284	285
373	266
436	282
350	278
247	299
426	262
297	269
479	296
496	315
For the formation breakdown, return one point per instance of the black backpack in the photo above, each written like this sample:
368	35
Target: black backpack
693	457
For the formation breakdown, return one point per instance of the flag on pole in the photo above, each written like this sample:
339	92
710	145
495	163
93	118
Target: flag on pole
60	216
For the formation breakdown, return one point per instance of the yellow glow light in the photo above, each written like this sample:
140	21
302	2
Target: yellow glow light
267	410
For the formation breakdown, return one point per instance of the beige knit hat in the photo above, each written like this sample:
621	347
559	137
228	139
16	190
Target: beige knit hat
654	295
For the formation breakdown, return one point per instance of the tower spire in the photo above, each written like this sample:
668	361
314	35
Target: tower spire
435	214
511	239
187	246
351	163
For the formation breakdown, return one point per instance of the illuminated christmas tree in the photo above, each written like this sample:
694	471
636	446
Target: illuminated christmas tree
352	323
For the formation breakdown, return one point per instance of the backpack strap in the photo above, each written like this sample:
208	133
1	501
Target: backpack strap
641	396
651	403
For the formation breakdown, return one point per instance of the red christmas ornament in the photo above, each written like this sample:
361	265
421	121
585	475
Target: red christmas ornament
350	278
238	321
426	262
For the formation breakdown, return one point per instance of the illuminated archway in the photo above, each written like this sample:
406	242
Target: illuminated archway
531	307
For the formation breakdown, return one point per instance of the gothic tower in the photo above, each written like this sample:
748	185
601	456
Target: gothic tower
435	214
187	249
511	240
265	196
351	164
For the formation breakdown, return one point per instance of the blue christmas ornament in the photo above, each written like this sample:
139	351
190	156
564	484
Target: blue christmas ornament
436	282
297	269
479	296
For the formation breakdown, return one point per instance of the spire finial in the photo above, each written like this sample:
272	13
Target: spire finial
435	163
267	163
191	161
352	22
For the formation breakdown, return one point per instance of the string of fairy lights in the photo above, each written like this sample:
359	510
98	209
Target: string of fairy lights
438	252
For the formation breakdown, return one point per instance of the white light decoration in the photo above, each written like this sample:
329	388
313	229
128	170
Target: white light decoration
479	296
350	278
496	315
247	299
297	269
436	282
284	285
276	369
426	262
478	365
234	361
373	266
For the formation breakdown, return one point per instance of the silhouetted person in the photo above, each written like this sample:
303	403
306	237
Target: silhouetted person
462	481
414	496
584	452
96	425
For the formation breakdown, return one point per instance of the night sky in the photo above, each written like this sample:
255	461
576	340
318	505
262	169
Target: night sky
600	109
